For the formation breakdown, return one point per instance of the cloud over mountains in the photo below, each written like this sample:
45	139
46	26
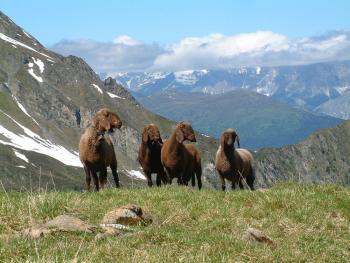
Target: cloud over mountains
264	48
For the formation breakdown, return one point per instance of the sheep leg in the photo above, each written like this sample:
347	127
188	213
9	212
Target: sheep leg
250	180
222	181
103	177
240	183
233	184
193	181
168	175
164	178
87	178
159	179
115	176
95	178
149	179
199	181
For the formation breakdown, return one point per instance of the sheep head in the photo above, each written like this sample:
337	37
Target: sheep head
228	138
106	120
151	135
184	131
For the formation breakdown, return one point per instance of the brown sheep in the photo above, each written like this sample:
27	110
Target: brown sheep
232	164
149	154
175	157
194	166
96	150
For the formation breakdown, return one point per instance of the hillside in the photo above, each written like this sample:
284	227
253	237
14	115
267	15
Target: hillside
259	120
322	157
306	223
40	95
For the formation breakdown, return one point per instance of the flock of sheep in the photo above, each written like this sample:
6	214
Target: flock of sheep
170	159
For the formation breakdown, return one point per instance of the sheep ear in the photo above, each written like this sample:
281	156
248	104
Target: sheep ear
104	112
179	135
144	135
237	140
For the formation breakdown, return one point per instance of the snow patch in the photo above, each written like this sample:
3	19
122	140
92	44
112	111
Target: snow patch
30	141
114	96
15	42
23	109
20	166
14	46
31	72
21	156
136	174
342	89
258	70
40	64
186	77
26	33
97	87
264	91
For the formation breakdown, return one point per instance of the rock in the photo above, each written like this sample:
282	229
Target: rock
36	231
64	223
126	215
109	232
70	223
254	235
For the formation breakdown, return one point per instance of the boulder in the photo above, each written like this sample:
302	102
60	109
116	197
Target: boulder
126	215
64	223
255	235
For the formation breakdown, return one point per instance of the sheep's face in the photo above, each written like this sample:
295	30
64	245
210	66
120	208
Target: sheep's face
184	131
106	120
228	138
115	122
151	135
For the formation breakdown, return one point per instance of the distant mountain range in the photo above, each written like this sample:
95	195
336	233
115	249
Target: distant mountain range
312	87
260	120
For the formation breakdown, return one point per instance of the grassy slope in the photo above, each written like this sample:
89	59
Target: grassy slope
307	223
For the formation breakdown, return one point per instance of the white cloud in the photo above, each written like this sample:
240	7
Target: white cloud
264	48
126	40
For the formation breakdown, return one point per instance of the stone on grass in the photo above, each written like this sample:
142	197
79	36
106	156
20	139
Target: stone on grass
65	223
108	232
126	215
255	235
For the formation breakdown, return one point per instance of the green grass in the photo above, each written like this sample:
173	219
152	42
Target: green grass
307	223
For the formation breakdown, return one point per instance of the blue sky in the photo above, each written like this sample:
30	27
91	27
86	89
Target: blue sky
119	36
170	21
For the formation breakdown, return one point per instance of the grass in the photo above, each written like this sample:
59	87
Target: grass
307	223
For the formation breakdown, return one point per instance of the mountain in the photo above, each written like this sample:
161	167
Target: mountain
260	121
304	86
46	102
338	107
322	157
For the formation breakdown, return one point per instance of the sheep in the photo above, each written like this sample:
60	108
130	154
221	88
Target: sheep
232	164
175	157
96	150
194	167
149	154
